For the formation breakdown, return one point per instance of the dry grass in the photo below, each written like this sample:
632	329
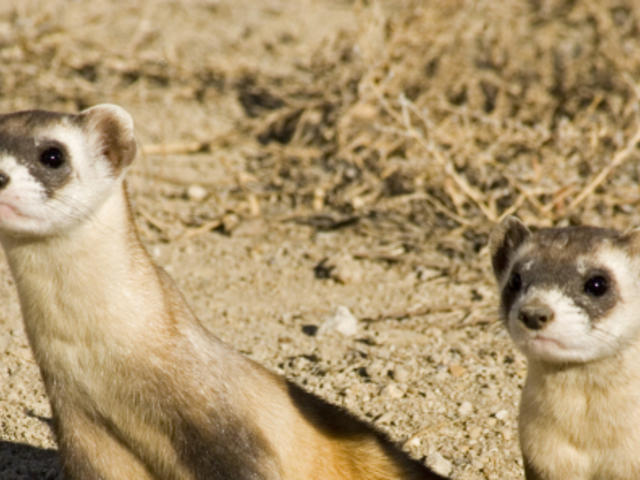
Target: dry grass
465	113
448	114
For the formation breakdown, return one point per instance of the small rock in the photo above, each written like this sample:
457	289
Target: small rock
413	442
386	417
310	330
342	322
347	270
465	409
378	368
457	370
401	374
323	269
439	464
160	255
425	273
340	268
502	415
197	193
230	221
393	391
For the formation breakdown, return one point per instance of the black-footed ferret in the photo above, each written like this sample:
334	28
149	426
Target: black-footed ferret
139	389
570	299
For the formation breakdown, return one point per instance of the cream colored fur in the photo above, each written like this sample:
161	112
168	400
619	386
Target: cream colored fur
123	334
580	407
583	422
127	367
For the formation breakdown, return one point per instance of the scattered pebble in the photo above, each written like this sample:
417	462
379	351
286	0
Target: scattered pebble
310	330
457	370
347	271
425	273
465	409
439	464
401	374
392	390
475	433
378	368
387	417
413	442
340	268
502	414
230	221
196	193
342	322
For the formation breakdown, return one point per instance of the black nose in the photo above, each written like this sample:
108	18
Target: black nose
535	317
4	180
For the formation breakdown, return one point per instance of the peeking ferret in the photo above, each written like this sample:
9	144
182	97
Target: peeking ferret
570	299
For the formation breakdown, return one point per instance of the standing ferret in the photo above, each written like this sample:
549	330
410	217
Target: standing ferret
139	389
570	299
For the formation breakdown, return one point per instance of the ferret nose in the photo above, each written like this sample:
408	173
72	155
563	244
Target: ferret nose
4	180
535	316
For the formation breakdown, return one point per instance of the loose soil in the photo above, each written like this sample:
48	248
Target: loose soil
300	156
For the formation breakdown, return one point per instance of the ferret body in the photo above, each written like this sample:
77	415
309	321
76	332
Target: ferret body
139	389
570	299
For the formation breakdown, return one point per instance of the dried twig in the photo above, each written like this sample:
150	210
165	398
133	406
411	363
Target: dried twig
158	224
204	228
418	312
514	207
618	159
410	131
175	148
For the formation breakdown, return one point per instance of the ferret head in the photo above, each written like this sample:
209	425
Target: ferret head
56	168
568	295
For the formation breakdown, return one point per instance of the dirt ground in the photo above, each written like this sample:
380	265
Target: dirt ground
303	156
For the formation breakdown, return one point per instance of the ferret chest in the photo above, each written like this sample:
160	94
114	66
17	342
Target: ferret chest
583	417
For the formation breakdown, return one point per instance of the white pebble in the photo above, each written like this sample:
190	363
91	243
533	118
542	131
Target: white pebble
502	414
465	409
413	442
386	417
439	464
392	391
401	374
197	193
342	322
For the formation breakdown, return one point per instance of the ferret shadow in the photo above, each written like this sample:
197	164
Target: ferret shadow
20	461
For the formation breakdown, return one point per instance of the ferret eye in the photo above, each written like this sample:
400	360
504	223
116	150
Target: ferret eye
596	286
515	282
52	158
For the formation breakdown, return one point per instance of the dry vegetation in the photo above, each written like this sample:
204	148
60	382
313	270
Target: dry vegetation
444	113
399	130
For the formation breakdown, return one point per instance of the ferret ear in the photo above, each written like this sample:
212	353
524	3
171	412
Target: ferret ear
631	240
112	128
504	240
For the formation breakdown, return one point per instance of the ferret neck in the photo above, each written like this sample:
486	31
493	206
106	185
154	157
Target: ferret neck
102	243
597	373
93	280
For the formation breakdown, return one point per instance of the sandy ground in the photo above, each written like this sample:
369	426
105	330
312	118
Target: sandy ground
300	157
